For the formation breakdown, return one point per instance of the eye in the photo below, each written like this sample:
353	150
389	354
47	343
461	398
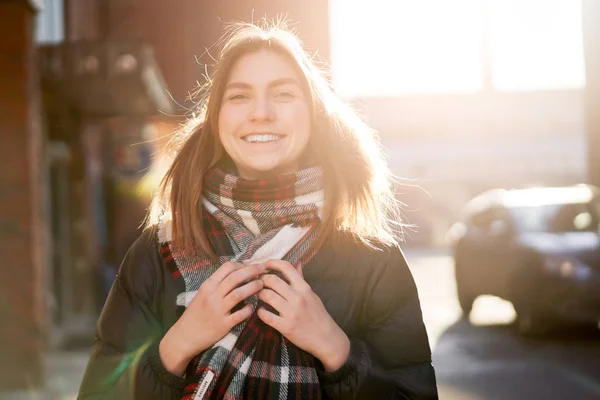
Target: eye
286	94
238	97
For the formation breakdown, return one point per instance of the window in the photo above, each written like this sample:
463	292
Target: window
50	22
536	44
383	47
386	48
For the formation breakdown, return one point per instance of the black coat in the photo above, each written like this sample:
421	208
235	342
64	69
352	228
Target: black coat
370	293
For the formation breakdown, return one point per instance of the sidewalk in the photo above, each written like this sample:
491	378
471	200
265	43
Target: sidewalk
64	370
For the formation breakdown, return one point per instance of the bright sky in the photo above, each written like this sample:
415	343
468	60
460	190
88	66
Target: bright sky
391	47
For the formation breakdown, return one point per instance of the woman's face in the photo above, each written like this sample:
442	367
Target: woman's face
264	121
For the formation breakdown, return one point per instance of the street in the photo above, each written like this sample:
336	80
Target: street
486	358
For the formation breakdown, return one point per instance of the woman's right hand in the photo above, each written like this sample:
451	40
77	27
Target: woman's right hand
208	317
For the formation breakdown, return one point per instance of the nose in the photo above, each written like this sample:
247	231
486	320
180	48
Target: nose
262	109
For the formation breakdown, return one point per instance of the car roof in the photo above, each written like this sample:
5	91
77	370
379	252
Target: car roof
532	197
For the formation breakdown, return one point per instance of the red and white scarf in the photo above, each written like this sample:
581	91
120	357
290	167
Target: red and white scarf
251	222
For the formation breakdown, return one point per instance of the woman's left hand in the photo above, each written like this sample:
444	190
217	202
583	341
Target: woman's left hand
302	318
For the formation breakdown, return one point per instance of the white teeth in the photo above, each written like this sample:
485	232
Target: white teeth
261	138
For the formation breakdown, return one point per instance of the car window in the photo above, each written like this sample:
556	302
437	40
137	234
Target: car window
481	220
492	219
558	218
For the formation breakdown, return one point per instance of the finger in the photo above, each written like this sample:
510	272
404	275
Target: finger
223	271
274	321
278	285
273	299
240	315
289	272
237	277
242	293
299	269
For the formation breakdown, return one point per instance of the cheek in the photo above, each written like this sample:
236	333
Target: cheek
306	127
301	123
222	124
228	120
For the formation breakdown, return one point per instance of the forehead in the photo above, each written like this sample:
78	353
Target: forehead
262	67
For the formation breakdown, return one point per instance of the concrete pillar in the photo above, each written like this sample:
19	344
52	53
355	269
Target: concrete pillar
591	30
23	319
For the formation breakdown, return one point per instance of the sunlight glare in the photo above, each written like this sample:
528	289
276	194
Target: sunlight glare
387	47
536	44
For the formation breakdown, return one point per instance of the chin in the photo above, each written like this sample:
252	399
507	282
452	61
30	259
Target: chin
264	171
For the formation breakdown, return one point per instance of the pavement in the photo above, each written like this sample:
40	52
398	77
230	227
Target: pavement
64	371
482	358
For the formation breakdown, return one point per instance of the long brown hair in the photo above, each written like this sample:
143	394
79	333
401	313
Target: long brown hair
357	182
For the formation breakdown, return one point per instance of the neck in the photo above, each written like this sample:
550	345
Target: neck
258	175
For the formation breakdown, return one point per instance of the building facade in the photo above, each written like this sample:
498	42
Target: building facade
85	87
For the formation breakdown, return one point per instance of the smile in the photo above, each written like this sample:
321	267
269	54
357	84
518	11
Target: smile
262	138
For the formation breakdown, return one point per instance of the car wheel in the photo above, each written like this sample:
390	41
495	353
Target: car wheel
531	320
466	296
582	328
466	300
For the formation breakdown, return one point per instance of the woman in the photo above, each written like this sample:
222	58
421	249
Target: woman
269	267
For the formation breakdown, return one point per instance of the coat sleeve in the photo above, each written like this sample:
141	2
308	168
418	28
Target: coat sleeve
124	362
391	359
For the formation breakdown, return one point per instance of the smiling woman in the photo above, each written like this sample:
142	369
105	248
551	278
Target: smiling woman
264	122
269	268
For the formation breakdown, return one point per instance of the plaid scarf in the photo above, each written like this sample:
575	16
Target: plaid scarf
251	222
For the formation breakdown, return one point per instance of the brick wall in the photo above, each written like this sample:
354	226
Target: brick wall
205	19
22	241
181	31
83	19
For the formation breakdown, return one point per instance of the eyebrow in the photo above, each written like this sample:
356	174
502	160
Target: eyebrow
275	83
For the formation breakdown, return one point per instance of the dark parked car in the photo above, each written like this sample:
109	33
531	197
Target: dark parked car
538	248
